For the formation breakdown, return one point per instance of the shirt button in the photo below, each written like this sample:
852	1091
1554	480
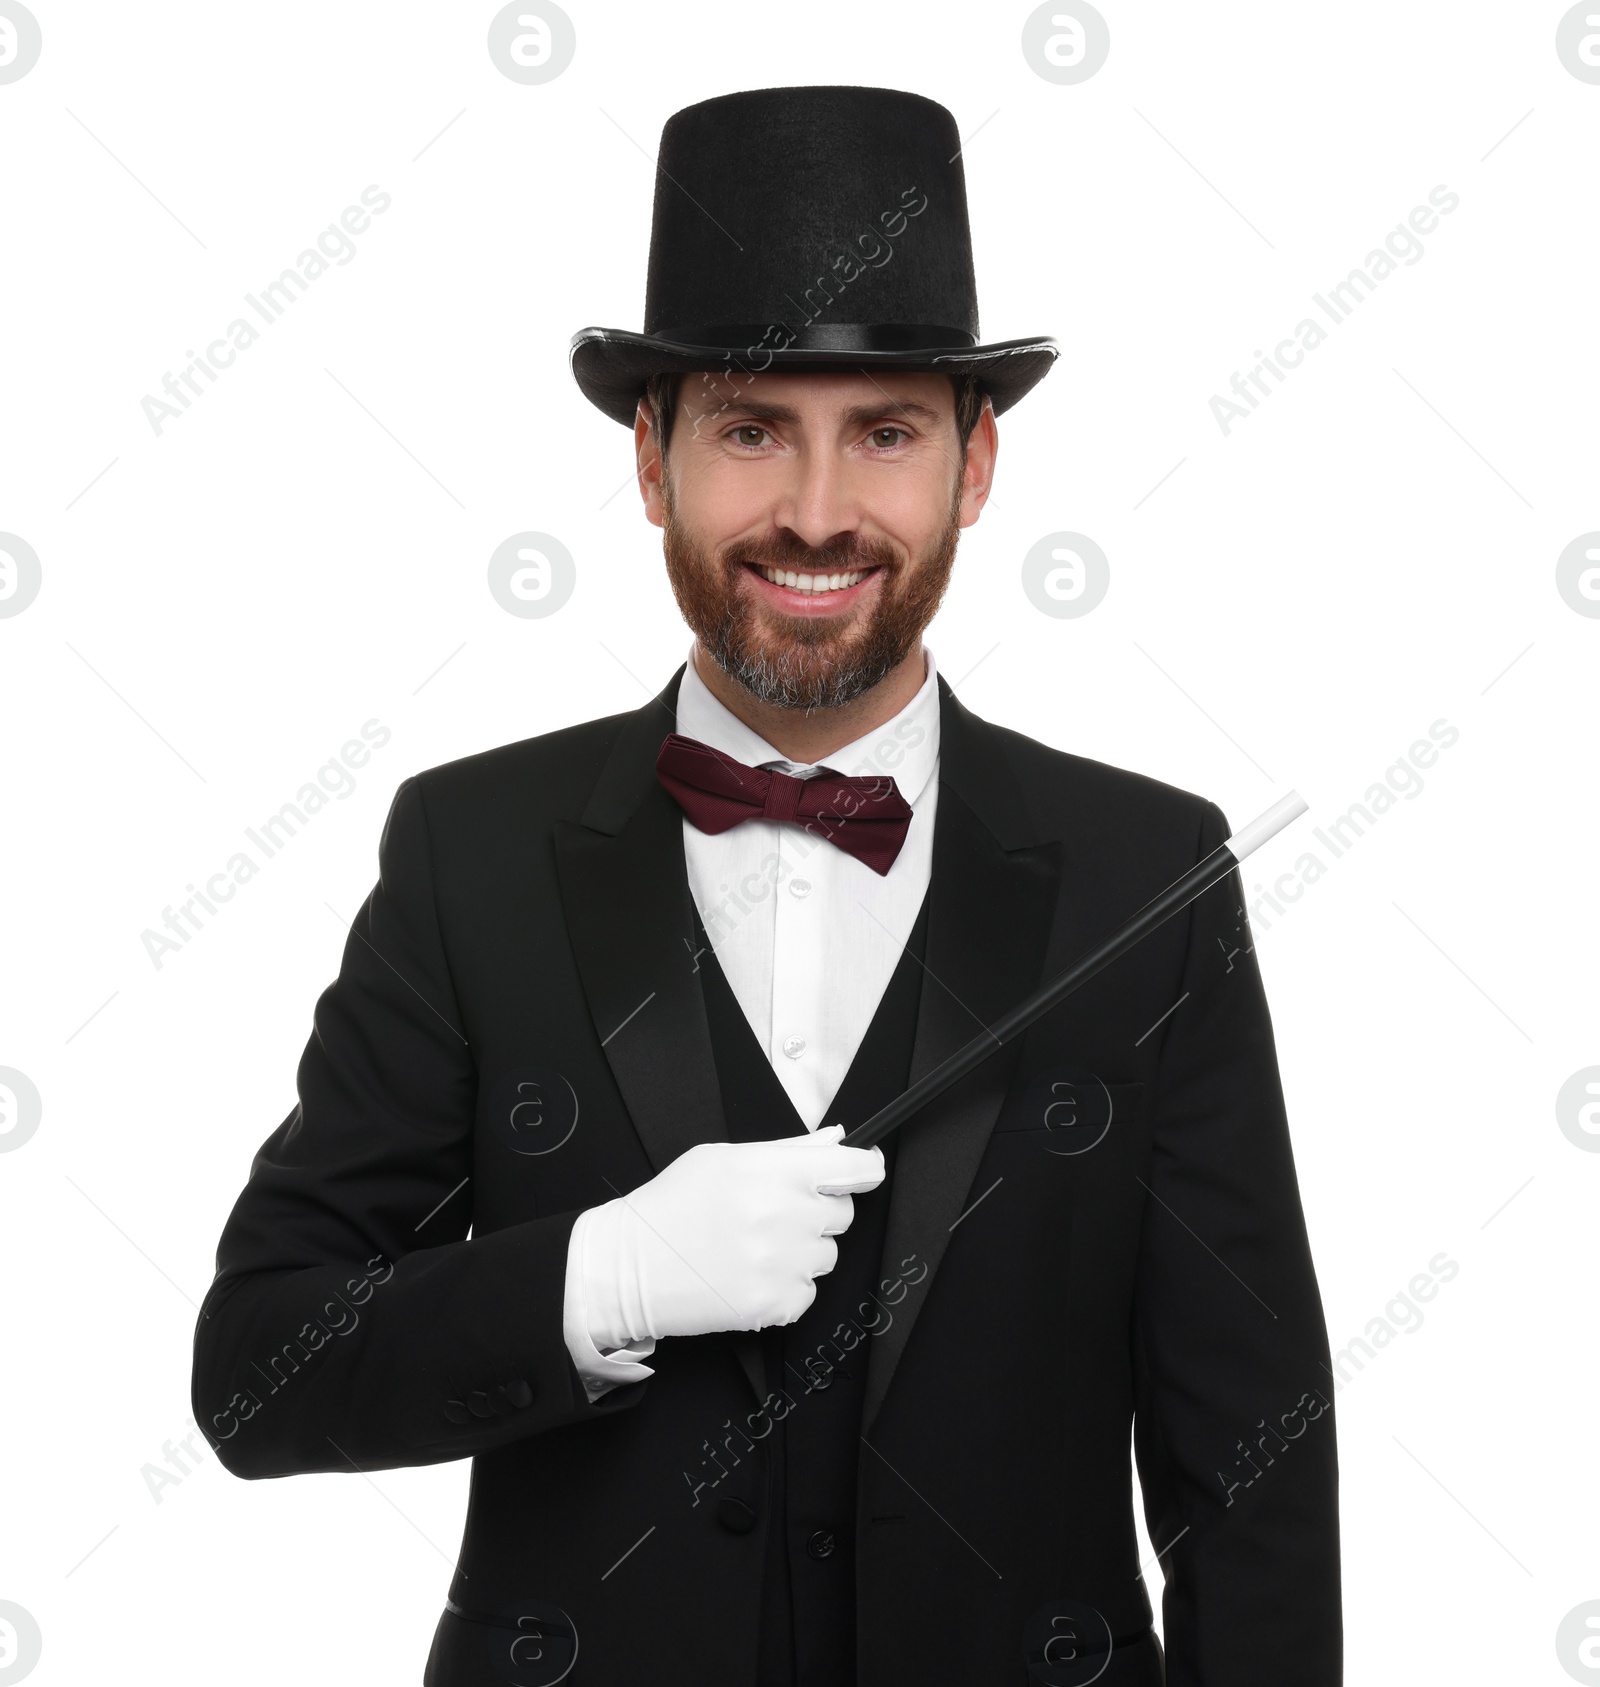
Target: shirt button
794	1047
799	887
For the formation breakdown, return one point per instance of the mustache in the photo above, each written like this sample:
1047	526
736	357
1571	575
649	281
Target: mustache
788	550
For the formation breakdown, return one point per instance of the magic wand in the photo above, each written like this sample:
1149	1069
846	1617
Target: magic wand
1199	879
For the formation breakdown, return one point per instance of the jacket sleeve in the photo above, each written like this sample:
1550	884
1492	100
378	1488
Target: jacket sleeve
351	1324
1234	1423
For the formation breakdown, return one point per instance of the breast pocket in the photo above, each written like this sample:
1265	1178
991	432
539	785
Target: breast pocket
1069	1110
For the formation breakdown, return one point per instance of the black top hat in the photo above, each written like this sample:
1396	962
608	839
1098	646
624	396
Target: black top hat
807	228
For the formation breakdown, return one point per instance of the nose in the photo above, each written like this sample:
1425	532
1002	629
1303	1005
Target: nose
819	502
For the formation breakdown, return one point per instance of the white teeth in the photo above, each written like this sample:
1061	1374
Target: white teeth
813	582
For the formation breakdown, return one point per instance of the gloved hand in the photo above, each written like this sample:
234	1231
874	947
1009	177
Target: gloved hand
729	1237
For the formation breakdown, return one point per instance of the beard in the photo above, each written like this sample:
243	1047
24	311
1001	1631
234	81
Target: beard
805	662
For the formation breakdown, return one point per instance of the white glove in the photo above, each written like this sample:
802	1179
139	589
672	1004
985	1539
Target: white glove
729	1237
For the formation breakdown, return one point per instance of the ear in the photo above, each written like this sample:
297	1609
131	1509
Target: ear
978	475
651	465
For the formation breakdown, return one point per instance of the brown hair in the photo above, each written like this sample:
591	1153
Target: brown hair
662	391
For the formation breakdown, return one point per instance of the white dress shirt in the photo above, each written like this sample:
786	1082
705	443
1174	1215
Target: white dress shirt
807	936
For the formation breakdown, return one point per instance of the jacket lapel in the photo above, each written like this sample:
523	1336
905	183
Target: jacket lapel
993	893
625	893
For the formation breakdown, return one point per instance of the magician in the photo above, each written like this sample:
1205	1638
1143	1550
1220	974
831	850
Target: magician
564	1191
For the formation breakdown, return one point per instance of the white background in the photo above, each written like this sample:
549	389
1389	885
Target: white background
1373	550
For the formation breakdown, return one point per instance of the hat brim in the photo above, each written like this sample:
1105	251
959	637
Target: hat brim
610	365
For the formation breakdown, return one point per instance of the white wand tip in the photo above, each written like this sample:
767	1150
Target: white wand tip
1267	825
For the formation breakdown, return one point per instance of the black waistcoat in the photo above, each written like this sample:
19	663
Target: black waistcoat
806	1483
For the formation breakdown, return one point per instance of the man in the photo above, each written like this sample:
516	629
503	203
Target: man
747	1405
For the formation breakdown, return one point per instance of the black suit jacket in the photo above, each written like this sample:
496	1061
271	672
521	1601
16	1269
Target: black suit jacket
1099	1231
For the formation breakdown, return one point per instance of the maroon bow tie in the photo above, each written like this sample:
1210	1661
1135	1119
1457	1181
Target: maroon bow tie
867	818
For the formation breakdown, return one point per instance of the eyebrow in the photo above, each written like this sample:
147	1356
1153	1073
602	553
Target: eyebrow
857	416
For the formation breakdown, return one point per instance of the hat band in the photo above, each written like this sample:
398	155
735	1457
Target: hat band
821	336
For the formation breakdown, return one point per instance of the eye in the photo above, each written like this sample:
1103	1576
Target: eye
886	438
749	434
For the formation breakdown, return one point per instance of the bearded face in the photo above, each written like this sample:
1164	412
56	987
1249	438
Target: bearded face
802	626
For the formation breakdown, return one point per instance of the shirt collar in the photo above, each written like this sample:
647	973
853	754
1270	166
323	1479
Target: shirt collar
906	747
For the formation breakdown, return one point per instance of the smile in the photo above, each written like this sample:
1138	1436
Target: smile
814	583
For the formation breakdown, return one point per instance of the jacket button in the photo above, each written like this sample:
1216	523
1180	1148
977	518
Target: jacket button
456	1411
736	1515
519	1394
478	1404
820	1543
499	1401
